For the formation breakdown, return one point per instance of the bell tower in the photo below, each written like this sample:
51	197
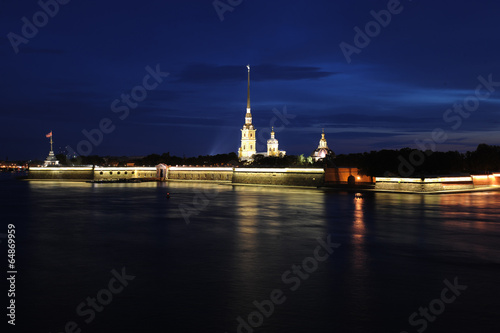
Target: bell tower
248	148
272	145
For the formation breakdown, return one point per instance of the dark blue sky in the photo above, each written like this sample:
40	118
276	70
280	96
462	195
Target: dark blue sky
396	89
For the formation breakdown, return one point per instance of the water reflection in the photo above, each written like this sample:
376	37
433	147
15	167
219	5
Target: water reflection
359	223
473	217
358	232
394	249
479	207
274	228
359	269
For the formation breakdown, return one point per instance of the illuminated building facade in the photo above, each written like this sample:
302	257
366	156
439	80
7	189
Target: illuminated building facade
248	146
272	147
322	151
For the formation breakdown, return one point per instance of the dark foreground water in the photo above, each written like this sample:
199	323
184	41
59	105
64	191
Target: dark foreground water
218	258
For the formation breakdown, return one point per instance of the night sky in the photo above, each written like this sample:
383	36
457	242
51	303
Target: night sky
70	76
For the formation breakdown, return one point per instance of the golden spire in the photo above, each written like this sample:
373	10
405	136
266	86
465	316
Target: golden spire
248	90
322	142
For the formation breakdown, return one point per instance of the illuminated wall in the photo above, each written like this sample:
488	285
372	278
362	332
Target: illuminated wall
90	173
486	180
341	176
437	183
124	173
424	184
266	176
200	174
279	176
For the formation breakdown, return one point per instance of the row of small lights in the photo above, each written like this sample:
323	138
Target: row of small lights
3	166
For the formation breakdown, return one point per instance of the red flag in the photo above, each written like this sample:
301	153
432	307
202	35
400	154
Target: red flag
49	135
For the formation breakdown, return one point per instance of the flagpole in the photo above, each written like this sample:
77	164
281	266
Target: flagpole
51	141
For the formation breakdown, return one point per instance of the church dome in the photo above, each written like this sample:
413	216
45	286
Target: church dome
322	151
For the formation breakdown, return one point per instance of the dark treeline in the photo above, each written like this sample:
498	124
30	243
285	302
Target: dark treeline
408	162
166	158
290	161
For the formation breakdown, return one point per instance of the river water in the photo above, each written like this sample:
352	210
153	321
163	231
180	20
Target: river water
221	258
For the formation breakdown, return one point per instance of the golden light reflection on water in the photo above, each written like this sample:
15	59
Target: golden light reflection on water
48	184
392	210
68	185
473	210
359	223
247	211
274	226
462	225
358	234
359	268
471	215
247	259
272	210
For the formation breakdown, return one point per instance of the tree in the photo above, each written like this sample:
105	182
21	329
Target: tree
62	159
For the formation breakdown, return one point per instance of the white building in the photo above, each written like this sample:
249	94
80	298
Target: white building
272	147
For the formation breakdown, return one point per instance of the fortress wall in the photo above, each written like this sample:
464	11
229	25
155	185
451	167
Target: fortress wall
258	176
279	176
486	180
79	173
200	174
267	176
341	175
458	186
90	173
111	173
424	185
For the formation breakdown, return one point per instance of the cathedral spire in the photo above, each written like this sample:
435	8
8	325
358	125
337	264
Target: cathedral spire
248	90
248	139
248	116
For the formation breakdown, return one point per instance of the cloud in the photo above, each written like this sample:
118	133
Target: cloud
199	73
